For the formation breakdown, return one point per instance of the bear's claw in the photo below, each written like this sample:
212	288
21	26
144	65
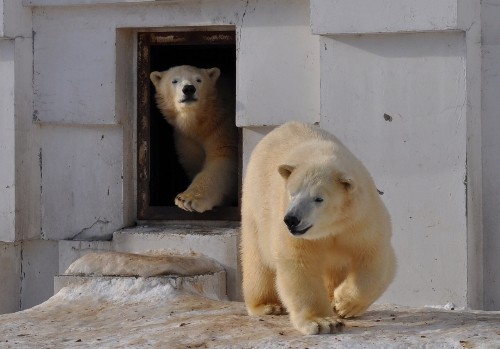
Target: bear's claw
347	310
192	202
268	309
317	325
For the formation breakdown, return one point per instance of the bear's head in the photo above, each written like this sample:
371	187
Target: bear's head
321	198
184	88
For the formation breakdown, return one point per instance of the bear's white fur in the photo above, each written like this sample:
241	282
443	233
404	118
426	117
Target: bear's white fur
335	255
205	134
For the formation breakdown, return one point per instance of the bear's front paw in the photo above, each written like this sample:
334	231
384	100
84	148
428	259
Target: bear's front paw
267	309
347	308
192	201
316	325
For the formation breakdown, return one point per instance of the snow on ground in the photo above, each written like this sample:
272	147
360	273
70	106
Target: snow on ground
144	313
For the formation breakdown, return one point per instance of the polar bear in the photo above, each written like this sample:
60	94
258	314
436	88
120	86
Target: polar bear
315	233
205	135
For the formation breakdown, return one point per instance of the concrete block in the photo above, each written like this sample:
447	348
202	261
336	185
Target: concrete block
388	16
252	136
490	33
10	271
28	213
81	182
399	102
219	243
212	286
39	266
7	146
15	20
64	92
491	169
19	188
277	64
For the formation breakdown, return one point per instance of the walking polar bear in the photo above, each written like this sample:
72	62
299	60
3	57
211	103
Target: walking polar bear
315	234
205	134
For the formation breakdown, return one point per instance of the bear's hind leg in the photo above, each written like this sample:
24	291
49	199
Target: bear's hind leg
260	294
259	290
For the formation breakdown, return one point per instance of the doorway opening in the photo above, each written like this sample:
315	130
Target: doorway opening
160	177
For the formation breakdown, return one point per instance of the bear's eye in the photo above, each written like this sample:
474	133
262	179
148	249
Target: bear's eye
318	199
198	80
174	81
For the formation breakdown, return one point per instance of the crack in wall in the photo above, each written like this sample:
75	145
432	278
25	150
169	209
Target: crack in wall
40	165
242	20
22	275
82	233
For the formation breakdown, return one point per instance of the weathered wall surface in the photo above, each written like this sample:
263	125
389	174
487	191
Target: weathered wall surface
491	150
10	272
7	147
78	107
399	103
399	81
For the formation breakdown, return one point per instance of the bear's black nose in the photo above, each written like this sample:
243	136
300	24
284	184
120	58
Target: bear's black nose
189	90
291	221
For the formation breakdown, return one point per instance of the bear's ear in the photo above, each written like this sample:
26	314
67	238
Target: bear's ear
347	182
213	73
285	170
155	77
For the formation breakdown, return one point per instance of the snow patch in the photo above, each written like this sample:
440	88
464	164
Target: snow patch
120	290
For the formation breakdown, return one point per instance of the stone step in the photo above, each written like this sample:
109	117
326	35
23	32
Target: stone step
212	285
217	241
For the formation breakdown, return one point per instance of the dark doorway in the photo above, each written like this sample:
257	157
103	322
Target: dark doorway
159	175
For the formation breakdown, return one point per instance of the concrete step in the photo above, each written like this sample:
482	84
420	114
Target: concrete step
217	241
211	285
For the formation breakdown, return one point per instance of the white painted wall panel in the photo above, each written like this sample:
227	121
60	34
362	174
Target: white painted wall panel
81	182
381	16
7	145
2	19
278	65
10	274
15	20
27	147
399	102
491	151
40	265
278	70
74	59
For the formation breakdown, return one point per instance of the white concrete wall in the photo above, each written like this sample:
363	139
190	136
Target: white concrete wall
81	181
18	178
10	274
15	20
27	273
417	157
76	100
7	146
277	65
39	264
19	175
491	150
406	102
70	174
